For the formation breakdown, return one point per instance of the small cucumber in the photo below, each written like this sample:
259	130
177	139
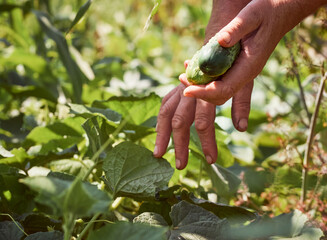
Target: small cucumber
211	61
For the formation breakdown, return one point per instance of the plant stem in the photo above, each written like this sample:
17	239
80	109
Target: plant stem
88	226
310	138
103	148
298	79
8	215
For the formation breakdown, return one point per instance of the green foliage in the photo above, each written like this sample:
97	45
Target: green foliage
193	222
132	171
129	231
81	84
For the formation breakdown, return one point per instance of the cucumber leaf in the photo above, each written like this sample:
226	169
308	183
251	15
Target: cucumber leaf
11	230
131	170
65	194
150	218
234	215
136	110
192	222
53	235
285	226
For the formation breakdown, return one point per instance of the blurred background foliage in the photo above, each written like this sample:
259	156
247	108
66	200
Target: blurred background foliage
46	63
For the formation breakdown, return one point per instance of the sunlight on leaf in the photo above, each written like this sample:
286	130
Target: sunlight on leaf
131	170
83	199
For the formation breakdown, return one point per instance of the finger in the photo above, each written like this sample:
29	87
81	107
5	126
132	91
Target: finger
164	128
241	105
247	21
204	123
245	68
216	92
181	122
186	63
183	79
171	93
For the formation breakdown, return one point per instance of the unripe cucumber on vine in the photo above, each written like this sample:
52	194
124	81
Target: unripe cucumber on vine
211	61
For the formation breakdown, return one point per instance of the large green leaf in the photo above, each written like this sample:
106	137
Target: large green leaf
88	112
11	230
76	76
135	110
53	235
285	226
37	156
31	91
307	233
66	195
224	182
37	222
30	60
128	231
191	222
18	198
70	166
63	134
234	215
18	24
98	131
131	170
150	218
288	176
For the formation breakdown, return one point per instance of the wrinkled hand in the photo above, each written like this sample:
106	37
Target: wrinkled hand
177	114
259	26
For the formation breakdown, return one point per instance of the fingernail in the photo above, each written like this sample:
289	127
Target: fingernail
178	163
243	124
209	159
186	63
225	36
187	94
155	151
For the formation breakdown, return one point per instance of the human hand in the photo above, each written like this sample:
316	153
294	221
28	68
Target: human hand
177	113
259	26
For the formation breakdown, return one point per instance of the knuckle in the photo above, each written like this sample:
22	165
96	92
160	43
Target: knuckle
224	94
256	14
228	92
245	104
166	110
178	122
202	123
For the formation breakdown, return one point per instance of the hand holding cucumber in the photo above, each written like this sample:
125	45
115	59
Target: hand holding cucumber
177	112
258	27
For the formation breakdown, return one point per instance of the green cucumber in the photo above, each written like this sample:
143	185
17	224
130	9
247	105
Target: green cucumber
211	61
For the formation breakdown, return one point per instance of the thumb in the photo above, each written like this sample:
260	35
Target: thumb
247	21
